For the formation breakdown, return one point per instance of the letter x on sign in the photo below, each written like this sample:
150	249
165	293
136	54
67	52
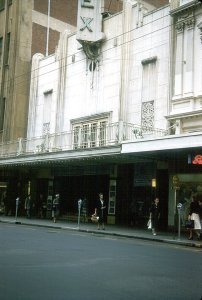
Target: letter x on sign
86	22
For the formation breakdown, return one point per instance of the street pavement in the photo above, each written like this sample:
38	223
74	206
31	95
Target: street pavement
111	230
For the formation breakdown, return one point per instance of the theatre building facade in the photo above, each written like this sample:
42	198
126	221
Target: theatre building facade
117	109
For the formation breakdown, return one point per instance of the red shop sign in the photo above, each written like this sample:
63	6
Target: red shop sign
197	160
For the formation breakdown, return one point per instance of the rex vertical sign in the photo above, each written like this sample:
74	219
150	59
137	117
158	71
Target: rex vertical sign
89	21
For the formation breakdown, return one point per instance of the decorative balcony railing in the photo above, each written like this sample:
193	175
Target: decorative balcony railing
111	134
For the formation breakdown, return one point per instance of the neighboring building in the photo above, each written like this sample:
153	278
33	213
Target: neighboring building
114	110
26	27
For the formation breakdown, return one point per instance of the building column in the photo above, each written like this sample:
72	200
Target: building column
179	59
188	64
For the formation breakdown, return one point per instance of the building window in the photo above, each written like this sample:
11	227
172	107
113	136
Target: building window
7	48
47	106
89	135
184	57
93	133
103	127
76	135
148	82
2	4
2	112
85	135
148	94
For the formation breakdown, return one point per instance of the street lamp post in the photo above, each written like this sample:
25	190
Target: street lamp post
179	208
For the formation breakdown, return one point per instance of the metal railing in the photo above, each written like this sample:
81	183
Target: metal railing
132	132
112	134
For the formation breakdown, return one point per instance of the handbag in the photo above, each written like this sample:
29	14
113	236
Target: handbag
94	218
189	224
149	224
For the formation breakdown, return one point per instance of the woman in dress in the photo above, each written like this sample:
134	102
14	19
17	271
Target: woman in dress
155	215
100	211
194	215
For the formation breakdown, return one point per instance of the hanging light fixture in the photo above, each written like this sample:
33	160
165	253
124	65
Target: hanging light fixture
154	182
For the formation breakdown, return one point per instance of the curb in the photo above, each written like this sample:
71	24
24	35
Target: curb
109	233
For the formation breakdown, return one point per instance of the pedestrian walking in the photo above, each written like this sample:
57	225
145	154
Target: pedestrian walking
28	206
100	211
155	215
194	215
133	212
5	203
56	207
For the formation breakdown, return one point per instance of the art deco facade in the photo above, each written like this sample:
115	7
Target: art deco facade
117	109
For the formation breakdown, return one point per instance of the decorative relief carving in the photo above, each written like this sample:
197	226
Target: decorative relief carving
190	23
200	28
186	14
179	27
46	128
185	18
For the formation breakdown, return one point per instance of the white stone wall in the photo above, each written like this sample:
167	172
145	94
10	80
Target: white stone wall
150	40
115	86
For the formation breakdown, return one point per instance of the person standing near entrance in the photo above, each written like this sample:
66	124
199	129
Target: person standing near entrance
56	207
28	206
155	215
194	215
100	211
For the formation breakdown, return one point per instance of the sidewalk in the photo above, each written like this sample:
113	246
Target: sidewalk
111	230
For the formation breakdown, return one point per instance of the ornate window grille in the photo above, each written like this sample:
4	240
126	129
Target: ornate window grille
147	116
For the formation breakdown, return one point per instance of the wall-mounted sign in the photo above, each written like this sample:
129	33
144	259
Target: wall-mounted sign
176	182
195	159
89	21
